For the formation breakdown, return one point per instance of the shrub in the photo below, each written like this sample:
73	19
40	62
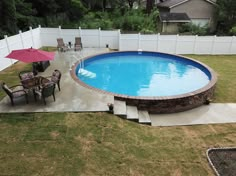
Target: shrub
233	30
193	29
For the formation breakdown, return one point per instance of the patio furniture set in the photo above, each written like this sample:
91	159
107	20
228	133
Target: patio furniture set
61	46
40	86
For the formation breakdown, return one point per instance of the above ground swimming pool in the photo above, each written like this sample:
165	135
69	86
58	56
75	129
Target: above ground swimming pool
156	82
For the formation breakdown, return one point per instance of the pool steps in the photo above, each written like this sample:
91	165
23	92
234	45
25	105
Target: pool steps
87	73
144	117
120	108
131	112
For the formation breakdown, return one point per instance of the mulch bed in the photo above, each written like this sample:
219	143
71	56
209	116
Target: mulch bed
223	161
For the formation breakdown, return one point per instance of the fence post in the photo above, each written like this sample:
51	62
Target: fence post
195	44
6	40
32	36
139	38
99	37
119	39
176	43
40	40
213	45
8	47
21	39
231	45
59	31
157	43
80	32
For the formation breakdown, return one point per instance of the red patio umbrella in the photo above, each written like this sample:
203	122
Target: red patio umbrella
31	55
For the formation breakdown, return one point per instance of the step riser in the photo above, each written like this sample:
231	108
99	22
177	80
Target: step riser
131	112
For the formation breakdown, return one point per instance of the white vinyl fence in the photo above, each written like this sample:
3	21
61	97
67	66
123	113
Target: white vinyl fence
177	44
27	39
97	38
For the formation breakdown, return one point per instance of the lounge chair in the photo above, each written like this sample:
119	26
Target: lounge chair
56	78
15	92
47	90
61	45
78	44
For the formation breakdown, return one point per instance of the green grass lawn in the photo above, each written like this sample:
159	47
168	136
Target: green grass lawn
225	67
103	144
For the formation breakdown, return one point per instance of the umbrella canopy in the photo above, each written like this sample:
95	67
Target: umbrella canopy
31	55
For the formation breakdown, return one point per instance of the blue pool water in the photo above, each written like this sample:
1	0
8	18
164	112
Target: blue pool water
145	74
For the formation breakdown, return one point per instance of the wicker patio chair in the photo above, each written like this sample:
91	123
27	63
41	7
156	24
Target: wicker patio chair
47	90
78	44
26	74
61	45
14	92
56	78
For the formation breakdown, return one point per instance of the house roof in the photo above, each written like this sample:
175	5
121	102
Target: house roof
174	17
173	3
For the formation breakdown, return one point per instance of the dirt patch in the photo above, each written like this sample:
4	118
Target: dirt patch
223	160
54	134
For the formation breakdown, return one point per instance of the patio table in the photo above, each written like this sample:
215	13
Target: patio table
34	83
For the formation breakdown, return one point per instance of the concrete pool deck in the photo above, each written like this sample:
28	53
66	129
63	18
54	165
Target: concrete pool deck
76	98
72	97
215	113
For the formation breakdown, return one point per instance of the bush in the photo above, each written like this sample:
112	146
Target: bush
233	30
193	29
134	20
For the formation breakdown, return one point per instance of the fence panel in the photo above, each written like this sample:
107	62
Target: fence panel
148	42
4	62
36	38
129	42
49	36
232	49
27	41
69	35
222	45
14	42
185	44
90	38
109	38
167	43
204	45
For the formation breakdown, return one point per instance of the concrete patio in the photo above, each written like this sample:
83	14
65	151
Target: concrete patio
76	98
72	97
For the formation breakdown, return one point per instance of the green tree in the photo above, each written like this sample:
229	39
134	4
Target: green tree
25	15
226	11
9	16
77	10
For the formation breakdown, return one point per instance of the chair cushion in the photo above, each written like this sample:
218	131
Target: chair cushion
18	93
27	75
54	79
56	74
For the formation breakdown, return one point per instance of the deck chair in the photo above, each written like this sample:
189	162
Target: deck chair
78	44
61	46
15	92
47	90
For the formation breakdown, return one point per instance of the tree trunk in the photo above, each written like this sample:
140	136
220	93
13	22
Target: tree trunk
131	3
149	6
